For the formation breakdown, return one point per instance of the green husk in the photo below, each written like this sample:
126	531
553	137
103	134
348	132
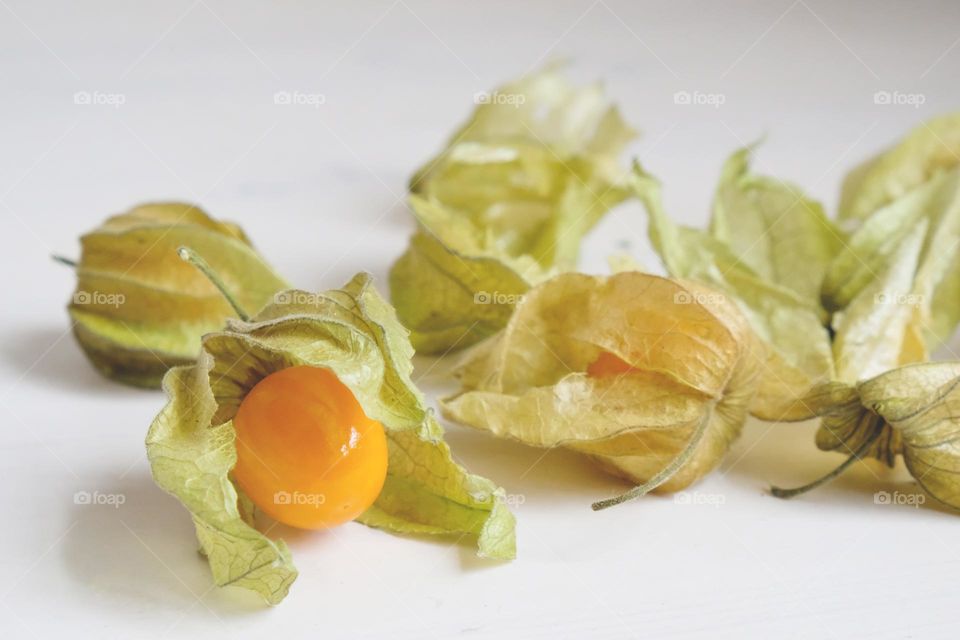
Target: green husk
354	333
139	310
911	411
505	206
766	249
894	288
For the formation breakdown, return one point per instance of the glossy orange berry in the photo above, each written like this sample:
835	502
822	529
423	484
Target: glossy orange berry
307	454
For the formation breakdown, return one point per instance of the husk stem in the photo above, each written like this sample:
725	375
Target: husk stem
854	457
189	255
65	261
662	476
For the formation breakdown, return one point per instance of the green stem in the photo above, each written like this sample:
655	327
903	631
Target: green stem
857	455
665	474
66	261
189	255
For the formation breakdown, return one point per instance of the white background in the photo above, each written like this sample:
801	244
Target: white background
320	190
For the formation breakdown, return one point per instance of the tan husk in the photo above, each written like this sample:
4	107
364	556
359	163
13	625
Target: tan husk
694	368
766	249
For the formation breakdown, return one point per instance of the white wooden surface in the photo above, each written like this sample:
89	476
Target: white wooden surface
182	106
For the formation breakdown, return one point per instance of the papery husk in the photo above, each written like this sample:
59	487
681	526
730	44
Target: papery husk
505	205
912	411
894	288
695	365
139	310
355	334
766	250
930	149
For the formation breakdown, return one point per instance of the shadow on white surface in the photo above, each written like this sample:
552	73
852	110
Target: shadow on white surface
542	478
143	554
51	357
785	455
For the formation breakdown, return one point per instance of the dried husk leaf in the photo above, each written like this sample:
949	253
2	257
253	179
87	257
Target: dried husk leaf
929	150
138	309
783	236
355	334
506	205
909	191
191	457
766	250
694	370
913	411
451	289
882	327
